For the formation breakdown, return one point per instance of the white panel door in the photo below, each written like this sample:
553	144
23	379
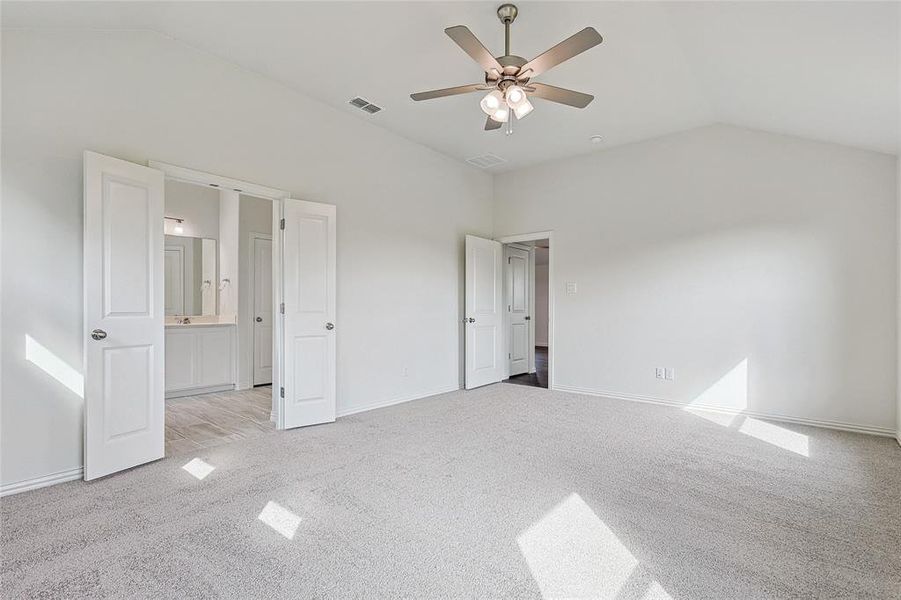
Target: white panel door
518	295
174	264
123	315
262	311
484	312
309	319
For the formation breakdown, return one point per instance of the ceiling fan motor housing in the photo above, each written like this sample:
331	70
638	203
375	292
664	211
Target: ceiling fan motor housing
511	65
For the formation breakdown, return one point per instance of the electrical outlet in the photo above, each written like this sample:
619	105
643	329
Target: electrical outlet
660	373
669	374
572	288
405	372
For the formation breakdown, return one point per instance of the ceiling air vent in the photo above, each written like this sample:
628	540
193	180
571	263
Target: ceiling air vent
486	161
365	105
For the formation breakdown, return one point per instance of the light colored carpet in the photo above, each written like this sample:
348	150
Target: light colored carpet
506	491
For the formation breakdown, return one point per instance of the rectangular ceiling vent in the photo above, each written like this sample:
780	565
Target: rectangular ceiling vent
365	105
486	161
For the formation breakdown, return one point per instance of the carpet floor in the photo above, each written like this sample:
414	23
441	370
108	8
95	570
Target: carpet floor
505	491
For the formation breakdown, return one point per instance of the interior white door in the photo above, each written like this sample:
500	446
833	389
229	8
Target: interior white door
518	295
174	280
308	256
123	315
484	312
262	311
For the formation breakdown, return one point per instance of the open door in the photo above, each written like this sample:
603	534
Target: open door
124	309
309	314
484	312
518	293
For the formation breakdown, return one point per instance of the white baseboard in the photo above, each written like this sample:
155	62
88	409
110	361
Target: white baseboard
209	389
39	482
418	396
854	427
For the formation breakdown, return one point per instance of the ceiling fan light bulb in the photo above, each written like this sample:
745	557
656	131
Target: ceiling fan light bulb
501	114
523	109
515	96
491	102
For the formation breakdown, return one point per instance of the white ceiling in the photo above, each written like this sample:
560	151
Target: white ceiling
823	70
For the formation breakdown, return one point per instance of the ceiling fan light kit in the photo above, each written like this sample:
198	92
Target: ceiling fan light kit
508	77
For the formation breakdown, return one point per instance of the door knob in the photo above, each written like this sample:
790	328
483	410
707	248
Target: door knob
259	319
527	318
470	320
98	334
329	326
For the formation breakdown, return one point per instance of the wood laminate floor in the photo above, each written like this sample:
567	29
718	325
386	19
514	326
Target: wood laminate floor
539	377
206	420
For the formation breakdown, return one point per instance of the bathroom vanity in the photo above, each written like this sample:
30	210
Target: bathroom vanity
200	355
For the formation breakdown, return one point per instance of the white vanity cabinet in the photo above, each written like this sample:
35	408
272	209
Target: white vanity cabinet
199	359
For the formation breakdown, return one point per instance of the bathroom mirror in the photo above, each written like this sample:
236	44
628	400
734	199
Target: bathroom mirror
191	268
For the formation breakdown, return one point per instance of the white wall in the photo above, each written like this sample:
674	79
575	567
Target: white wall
140	96
701	250
197	205
256	217
229	247
541	296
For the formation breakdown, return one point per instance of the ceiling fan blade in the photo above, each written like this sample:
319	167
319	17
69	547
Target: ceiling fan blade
474	48
561	95
451	91
572	46
491	124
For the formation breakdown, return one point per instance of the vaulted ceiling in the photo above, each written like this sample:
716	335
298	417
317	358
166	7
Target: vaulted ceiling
822	70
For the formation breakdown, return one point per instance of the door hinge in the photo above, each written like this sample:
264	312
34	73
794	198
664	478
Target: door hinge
281	308
281	392
509	260
509	356
281	224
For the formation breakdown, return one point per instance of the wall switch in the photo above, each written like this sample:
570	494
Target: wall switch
660	373
571	287
669	374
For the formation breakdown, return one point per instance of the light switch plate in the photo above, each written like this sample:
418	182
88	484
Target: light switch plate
571	287
669	374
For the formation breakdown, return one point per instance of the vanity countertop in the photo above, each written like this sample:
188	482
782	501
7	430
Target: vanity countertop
201	321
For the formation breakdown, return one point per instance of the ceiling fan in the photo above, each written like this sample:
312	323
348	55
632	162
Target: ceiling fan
508	78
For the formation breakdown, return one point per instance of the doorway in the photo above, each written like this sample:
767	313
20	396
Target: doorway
219	342
508	319
526	298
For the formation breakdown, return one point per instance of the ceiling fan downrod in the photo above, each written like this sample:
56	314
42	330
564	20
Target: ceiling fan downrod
507	14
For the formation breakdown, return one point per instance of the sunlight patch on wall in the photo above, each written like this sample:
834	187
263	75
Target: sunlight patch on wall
280	519
729	394
53	365
572	553
199	468
777	436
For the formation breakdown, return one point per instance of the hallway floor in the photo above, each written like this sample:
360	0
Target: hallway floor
539	377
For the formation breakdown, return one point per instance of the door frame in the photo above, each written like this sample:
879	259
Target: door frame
277	197
251	300
551	294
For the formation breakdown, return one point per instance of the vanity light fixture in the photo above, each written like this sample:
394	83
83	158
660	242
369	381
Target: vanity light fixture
178	228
